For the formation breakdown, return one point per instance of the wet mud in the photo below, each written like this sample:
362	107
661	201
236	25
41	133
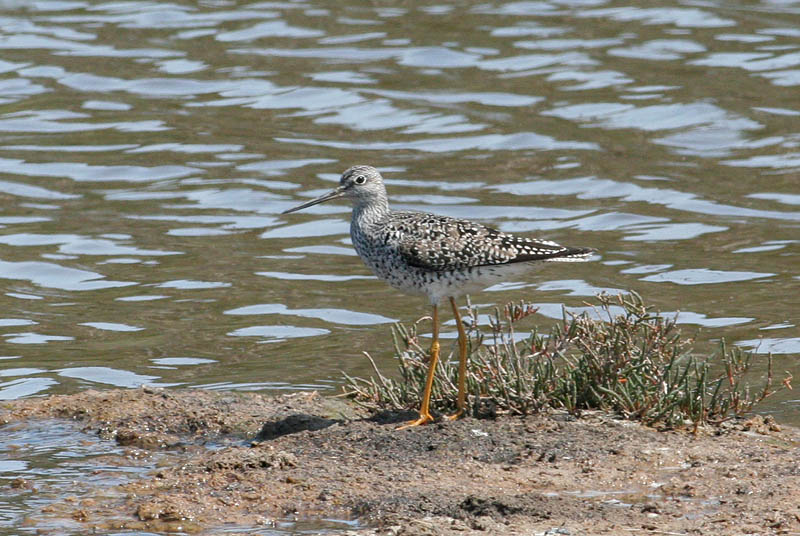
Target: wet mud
248	460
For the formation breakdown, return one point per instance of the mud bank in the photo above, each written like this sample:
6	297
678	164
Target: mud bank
235	459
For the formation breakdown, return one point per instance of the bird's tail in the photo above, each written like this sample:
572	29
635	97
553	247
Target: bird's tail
573	255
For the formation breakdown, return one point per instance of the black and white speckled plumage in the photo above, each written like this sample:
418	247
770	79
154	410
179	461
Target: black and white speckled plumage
436	256
440	243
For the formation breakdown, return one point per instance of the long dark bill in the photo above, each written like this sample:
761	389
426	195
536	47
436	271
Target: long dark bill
333	194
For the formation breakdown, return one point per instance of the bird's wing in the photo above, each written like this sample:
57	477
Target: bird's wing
439	243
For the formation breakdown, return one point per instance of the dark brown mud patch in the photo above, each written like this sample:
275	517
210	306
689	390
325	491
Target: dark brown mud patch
248	460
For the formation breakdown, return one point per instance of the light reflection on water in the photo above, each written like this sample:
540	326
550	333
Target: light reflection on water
69	466
61	460
148	149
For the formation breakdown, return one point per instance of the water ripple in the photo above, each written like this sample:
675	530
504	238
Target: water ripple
789	345
24	387
679	17
704	276
596	188
337	316
277	28
487	142
80	245
86	172
51	275
36	192
108	376
278	333
51	121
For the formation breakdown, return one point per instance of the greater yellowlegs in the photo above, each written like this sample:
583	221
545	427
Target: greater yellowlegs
435	256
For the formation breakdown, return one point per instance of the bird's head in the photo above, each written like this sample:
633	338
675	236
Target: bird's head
362	185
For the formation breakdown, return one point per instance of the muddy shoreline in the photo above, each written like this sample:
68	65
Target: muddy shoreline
249	460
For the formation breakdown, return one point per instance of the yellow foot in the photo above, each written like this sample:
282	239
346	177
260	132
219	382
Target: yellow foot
423	419
455	416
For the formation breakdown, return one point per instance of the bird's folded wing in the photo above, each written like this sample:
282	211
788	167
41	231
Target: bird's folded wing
438	243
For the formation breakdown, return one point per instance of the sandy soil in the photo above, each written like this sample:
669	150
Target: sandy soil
249	460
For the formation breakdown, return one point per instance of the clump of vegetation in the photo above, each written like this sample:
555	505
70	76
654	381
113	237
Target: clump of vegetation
625	359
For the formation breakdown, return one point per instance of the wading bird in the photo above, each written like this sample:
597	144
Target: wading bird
435	256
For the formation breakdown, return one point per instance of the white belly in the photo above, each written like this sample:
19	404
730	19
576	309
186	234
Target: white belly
440	285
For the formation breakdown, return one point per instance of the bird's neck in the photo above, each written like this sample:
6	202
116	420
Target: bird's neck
365	214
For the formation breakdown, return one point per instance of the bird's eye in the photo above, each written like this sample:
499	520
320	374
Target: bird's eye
361	179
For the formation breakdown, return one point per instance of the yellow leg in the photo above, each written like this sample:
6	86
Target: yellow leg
462	364
424	410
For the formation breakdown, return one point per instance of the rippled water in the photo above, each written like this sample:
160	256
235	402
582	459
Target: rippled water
51	470
148	148
42	462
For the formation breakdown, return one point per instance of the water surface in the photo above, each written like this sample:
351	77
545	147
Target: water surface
147	150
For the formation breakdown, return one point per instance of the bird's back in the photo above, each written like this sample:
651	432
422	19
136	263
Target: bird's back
441	244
